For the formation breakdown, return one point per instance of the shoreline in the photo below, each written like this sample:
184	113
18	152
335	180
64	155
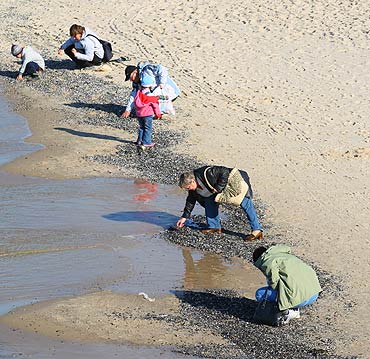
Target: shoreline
53	160
287	101
31	164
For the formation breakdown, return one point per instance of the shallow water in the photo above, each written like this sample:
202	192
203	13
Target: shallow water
70	237
13	130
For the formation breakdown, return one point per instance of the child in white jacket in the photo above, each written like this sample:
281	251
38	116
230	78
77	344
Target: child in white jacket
32	62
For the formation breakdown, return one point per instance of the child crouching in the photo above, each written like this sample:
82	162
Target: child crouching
32	62
146	107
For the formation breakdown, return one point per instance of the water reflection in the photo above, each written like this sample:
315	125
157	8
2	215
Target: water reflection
150	190
205	270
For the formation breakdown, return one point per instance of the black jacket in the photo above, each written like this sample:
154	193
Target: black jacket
217	177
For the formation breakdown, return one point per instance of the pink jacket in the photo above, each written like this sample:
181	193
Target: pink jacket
146	105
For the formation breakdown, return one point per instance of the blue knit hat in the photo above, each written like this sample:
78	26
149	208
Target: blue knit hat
147	81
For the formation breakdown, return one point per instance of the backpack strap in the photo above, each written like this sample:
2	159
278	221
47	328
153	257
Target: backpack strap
93	36
205	177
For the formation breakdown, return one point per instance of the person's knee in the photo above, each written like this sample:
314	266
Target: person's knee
68	50
271	294
309	301
31	68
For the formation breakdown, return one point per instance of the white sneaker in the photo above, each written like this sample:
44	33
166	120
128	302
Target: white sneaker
293	314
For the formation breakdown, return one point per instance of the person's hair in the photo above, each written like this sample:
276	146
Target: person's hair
258	253
76	29
185	179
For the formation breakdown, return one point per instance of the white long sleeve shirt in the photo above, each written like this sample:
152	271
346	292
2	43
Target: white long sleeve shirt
89	44
30	55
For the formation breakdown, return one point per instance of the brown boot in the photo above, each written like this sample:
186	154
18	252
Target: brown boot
254	237
212	230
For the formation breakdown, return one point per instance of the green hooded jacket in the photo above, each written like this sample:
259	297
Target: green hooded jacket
294	280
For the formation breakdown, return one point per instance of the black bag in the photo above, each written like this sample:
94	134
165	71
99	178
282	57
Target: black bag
108	53
107	47
268	312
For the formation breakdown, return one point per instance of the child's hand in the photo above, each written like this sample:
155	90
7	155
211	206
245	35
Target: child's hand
74	51
60	52
20	77
125	114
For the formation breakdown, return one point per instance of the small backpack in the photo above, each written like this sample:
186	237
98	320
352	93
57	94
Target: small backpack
107	47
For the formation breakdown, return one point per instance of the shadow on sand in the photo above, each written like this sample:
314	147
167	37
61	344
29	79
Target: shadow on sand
233	233
60	65
10	74
239	307
92	135
106	107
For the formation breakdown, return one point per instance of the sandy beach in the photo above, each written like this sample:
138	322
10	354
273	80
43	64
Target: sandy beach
279	89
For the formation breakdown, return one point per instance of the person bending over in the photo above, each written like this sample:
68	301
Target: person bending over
292	283
212	185
159	78
32	62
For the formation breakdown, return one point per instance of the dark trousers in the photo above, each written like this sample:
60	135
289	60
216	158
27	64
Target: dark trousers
82	63
31	68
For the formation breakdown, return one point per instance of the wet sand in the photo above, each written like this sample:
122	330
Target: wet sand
287	101
71	237
205	306
78	236
131	318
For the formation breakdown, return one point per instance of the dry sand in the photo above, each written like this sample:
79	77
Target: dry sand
278	88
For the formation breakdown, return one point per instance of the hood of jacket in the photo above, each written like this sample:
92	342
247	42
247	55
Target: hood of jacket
294	280
146	105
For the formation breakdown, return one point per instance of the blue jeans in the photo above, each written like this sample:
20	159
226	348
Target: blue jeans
272	295
31	68
145	130
213	218
191	224
250	211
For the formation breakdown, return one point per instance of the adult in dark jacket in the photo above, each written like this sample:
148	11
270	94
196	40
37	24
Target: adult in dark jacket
209	186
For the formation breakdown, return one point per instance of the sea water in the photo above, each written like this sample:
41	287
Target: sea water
71	237
13	131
